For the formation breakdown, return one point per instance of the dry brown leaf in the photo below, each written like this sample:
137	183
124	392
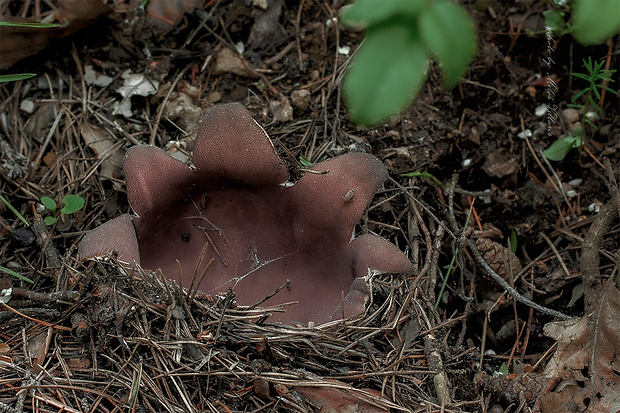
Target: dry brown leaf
228	61
21	42
104	146
337	400
587	359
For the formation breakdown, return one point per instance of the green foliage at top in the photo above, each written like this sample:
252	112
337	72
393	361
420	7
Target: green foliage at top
596	77
595	21
592	21
368	12
72	204
401	37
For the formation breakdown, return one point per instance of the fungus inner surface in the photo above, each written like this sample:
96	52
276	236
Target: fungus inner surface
255	242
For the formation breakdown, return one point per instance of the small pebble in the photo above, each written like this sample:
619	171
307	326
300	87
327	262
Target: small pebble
301	99
575	182
541	110
525	134
214	97
27	106
570	115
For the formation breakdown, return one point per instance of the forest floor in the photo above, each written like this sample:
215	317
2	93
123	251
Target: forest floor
86	336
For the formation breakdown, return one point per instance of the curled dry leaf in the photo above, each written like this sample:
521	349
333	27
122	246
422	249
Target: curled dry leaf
337	399
260	233
587	359
107	150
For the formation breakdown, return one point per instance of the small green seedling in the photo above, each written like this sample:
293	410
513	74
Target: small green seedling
595	77
305	161
72	203
423	175
513	241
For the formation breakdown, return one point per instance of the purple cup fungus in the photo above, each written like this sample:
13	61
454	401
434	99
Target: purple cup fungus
261	230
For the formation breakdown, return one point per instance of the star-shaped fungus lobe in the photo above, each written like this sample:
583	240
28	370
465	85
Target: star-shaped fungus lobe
260	231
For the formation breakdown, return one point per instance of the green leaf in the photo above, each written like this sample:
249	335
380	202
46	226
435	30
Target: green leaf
15	274
13	210
16	77
560	148
581	76
304	161
503	369
595	21
513	241
72	203
26	24
388	70
49	221
422	175
369	12
554	20
449	32
48	203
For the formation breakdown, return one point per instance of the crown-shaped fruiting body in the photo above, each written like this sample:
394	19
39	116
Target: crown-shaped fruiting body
260	233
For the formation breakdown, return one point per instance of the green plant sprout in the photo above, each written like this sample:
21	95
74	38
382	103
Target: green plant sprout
13	210
22	76
595	77
72	204
513	241
305	161
423	175
402	36
15	274
22	219
16	77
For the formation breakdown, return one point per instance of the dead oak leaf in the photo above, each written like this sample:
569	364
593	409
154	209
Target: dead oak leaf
588	357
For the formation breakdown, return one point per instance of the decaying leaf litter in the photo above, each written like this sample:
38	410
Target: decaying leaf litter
88	337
